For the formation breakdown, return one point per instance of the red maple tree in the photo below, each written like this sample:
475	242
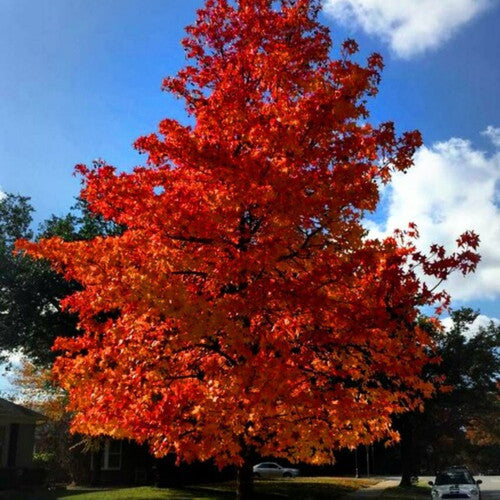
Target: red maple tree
244	308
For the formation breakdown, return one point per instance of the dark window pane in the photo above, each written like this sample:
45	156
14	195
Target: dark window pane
115	446
114	461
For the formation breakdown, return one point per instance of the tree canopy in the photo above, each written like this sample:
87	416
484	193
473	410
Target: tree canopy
461	422
244	307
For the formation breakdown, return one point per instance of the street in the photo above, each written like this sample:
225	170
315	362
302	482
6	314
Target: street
490	488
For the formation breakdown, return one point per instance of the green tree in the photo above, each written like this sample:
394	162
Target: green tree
461	424
30	313
31	318
471	365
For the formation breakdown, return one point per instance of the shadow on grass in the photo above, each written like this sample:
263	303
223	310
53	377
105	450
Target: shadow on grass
141	493
320	488
45	494
295	489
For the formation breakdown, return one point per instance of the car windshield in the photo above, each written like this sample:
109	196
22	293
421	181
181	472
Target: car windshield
451	477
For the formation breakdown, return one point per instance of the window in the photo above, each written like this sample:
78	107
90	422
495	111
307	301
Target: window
112	456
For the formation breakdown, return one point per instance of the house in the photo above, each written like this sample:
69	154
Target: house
117	462
123	462
17	440
112	462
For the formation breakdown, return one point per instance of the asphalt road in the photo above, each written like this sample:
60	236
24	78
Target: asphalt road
490	489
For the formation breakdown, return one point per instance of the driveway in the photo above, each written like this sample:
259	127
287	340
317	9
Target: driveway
490	489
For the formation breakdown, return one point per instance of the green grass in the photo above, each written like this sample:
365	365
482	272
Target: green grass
321	488
142	493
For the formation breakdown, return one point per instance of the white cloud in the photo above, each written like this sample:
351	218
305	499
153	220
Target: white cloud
451	189
409	26
481	321
13	361
13	358
493	133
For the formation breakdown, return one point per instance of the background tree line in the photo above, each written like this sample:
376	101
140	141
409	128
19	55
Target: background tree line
31	318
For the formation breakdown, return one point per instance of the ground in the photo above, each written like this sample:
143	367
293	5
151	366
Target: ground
321	488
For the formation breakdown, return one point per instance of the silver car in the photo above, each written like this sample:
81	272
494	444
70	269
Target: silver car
272	470
455	483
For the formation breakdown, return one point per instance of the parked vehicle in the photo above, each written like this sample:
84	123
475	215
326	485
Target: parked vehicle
455	482
272	469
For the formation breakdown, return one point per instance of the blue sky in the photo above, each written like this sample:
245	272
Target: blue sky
81	80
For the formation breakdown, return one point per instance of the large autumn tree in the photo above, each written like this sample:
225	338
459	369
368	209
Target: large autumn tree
244	308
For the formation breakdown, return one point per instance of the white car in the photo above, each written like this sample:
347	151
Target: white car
455	483
271	469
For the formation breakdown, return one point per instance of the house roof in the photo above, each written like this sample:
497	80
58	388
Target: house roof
14	413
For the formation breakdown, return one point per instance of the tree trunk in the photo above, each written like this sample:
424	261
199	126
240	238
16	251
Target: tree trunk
406	443
245	480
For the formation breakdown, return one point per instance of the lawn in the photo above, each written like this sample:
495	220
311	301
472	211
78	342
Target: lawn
142	493
320	488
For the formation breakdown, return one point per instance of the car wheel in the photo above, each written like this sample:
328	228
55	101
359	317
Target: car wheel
256	475
287	474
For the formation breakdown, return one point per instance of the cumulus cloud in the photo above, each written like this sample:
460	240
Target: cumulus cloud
408	26
451	189
493	133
